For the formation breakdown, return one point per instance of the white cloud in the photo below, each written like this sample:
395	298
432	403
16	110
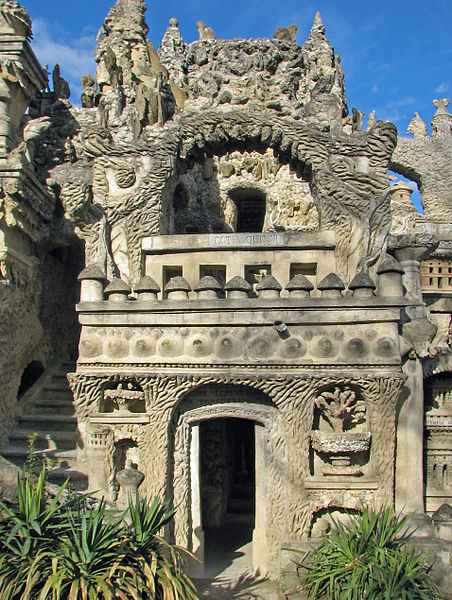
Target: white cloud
442	88
398	110
75	56
374	88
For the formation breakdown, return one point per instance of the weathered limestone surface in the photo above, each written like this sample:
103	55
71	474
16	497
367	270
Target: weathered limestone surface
244	258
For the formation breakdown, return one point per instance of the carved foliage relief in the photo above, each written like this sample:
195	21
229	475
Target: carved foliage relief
299	405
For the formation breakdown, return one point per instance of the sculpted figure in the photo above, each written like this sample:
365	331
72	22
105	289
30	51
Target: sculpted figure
442	119
371	121
417	127
357	119
288	34
60	85
90	96
205	33
31	131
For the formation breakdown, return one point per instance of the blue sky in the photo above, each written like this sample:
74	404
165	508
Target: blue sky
397	55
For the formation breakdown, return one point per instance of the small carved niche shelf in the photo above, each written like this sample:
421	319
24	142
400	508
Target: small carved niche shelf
122	405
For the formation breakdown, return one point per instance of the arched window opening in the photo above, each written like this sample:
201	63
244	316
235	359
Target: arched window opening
251	206
413	197
30	376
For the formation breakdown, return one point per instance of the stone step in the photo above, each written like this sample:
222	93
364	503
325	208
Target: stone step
58	386
77	479
59	375
239	519
240	505
54	440
18	455
54	400
60	399
48	422
53	406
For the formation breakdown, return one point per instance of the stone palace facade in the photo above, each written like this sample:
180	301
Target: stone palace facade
257	321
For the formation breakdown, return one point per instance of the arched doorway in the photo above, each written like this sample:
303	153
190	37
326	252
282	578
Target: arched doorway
229	464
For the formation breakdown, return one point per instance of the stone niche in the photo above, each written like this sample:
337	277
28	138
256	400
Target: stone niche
340	439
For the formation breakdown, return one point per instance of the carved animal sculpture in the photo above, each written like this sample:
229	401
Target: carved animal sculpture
205	33
31	131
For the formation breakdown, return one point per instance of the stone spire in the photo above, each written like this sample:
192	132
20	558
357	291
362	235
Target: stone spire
131	80
173	51
325	79
318	28
126	19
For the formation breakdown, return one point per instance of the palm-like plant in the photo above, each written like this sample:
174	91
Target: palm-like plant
26	534
367	559
158	561
87	563
59	549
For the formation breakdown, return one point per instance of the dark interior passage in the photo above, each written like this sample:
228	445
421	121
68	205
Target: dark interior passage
227	449
251	206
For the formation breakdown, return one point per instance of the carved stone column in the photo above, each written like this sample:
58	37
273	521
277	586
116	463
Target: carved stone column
409	251
195	481
409	480
96	451
419	331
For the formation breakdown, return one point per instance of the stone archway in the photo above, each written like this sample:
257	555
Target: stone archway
218	402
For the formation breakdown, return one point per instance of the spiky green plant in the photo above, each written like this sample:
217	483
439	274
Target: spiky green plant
27	533
88	560
60	549
367	559
158	562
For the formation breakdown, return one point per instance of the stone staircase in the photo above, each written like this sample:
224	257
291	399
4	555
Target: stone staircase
52	418
240	509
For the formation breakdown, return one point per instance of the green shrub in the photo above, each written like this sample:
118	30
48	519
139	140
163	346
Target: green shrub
59	549
367	559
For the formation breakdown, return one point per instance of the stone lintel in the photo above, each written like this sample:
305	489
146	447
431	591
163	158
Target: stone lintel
164	244
112	419
239	374
340	484
243	317
438	303
17	48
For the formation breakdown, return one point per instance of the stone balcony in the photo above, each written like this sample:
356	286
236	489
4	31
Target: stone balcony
267	326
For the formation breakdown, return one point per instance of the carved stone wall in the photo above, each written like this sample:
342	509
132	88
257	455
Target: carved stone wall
218	137
284	405
438	442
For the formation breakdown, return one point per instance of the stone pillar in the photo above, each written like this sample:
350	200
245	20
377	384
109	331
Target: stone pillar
259	532
96	461
409	480
129	481
409	492
196	568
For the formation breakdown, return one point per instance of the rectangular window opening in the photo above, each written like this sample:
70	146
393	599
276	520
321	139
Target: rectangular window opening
218	272
255	273
167	273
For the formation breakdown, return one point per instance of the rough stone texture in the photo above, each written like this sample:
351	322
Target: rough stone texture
427	160
234	160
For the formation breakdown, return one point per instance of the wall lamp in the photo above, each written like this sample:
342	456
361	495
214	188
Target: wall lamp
282	329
